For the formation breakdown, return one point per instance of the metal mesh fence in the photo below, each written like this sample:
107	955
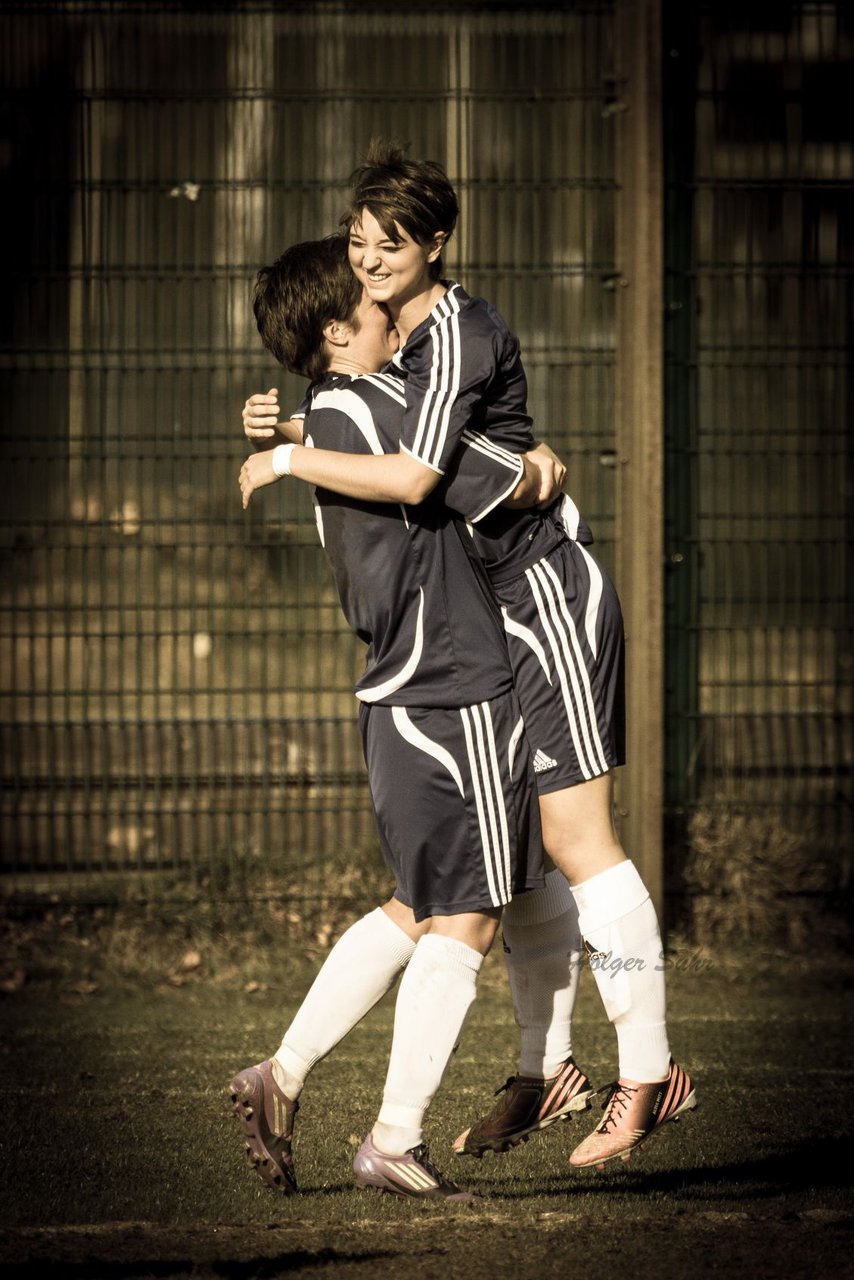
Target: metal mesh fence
760	157
176	678
177	682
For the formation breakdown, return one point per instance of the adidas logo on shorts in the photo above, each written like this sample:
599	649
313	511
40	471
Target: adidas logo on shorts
542	762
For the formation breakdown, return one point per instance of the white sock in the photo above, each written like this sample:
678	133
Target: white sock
618	921
542	951
361	967
433	999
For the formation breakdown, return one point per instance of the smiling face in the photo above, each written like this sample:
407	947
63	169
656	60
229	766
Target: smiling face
394	271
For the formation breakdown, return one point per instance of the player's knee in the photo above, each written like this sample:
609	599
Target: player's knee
477	929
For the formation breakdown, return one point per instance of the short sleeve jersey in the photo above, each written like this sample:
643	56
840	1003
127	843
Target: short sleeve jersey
463	371
408	577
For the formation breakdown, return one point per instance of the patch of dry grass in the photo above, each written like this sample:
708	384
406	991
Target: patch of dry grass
756	877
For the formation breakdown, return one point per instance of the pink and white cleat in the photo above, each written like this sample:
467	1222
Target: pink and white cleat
633	1112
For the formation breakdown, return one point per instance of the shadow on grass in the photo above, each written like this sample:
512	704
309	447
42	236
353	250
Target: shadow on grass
808	1166
262	1268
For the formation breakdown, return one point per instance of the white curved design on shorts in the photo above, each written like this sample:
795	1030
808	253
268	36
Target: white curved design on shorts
515	739
526	635
421	742
594	599
489	800
570	516
407	670
573	676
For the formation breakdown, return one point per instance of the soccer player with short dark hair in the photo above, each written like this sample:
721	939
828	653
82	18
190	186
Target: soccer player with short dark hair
449	768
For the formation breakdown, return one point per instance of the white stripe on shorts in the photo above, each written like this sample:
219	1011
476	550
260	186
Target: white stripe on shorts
504	846
489	799
571	668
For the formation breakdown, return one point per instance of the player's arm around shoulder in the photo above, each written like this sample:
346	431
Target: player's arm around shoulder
261	423
396	477
389	477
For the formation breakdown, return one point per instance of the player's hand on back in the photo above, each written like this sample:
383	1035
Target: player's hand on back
552	472
261	421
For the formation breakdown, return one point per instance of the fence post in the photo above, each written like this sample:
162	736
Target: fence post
640	426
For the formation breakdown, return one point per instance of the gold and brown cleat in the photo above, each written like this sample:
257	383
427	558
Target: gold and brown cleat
267	1117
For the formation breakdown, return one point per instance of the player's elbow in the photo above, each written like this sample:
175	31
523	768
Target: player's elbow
422	488
418	482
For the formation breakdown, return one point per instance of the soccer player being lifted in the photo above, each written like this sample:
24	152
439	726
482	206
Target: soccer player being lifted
460	370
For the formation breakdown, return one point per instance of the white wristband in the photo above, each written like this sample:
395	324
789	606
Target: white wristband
281	459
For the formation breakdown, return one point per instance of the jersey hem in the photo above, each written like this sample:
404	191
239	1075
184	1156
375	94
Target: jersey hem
429	465
548	784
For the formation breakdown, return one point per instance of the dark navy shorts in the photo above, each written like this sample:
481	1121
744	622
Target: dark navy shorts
455	803
565	635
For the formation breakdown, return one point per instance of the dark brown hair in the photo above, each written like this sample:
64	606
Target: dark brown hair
294	299
415	194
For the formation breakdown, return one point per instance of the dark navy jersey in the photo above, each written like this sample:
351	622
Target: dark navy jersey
409	580
462	371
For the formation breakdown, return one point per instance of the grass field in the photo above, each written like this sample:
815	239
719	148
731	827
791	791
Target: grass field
121	1158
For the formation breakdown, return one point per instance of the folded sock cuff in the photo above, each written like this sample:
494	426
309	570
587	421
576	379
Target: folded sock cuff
609	896
450	951
539	905
403	946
